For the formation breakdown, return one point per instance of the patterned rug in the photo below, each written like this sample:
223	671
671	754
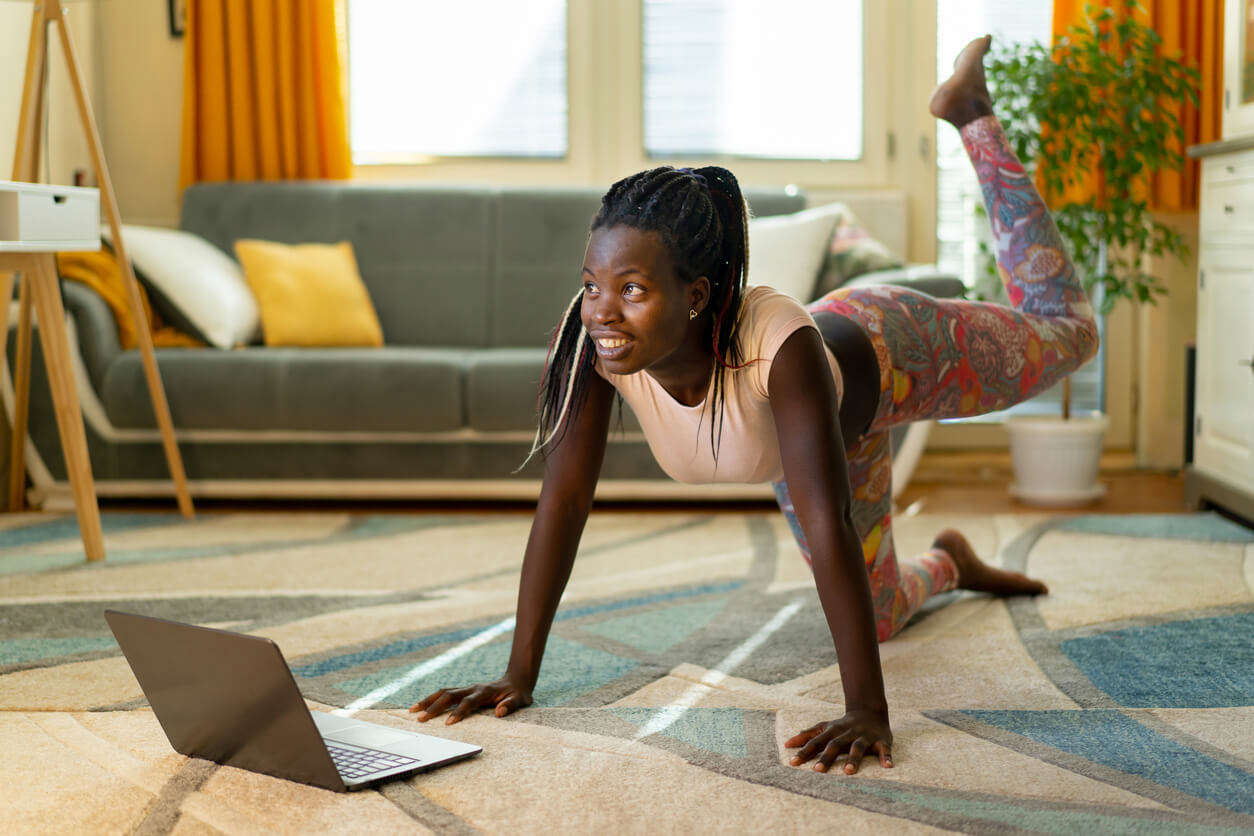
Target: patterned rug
688	647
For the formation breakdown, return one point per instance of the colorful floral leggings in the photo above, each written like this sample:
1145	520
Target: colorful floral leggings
951	358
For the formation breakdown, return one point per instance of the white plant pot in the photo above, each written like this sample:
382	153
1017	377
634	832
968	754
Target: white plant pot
1056	461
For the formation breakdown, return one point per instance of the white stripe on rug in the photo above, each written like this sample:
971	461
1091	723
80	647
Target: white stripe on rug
419	671
667	716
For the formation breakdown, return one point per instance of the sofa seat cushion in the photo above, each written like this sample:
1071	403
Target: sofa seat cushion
389	389
502	385
925	278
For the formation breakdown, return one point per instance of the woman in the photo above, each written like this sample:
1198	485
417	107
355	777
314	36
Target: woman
802	397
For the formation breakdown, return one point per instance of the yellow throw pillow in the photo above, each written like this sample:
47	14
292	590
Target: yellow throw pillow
309	294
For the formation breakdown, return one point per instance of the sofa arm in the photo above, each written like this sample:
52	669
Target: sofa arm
96	328
926	278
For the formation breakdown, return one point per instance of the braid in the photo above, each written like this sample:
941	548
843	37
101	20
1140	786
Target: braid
703	221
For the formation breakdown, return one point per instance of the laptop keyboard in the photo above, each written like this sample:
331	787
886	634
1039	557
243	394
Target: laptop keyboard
355	762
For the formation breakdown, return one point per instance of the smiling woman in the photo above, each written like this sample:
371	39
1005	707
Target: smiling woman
666	319
685	231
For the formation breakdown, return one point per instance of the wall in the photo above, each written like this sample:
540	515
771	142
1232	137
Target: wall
65	147
1163	330
142	97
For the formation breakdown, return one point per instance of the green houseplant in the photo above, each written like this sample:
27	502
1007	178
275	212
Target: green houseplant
1099	106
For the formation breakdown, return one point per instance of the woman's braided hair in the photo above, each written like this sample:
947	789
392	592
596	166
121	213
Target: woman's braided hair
703	221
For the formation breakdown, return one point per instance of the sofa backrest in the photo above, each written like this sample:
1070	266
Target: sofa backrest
446	265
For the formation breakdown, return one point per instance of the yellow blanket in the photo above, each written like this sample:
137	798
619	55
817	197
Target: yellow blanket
99	270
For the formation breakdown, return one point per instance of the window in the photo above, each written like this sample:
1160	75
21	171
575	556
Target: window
579	92
958	228
446	79
780	80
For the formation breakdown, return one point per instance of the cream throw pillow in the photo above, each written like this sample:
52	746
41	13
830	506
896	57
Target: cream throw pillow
309	294
197	279
786	252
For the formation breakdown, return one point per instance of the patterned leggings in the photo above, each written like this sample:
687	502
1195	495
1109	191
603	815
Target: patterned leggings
951	358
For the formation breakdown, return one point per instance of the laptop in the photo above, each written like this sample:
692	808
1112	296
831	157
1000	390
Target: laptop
231	698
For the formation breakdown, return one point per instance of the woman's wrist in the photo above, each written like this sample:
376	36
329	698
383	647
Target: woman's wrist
880	709
866	698
523	677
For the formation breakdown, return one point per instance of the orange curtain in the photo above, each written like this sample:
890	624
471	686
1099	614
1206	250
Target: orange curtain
264	92
1194	28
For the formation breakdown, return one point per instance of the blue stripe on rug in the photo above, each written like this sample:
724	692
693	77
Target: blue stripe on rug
1207	526
1020	817
718	730
406	646
66	528
1114	740
13	651
571	670
357	528
1199	663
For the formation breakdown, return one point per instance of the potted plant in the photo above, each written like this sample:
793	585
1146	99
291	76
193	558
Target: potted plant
1097	104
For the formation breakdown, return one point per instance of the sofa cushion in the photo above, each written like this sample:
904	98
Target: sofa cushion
852	252
541	238
423	251
390	389
309	294
925	278
502	385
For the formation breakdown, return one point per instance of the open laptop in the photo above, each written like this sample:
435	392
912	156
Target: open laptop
231	698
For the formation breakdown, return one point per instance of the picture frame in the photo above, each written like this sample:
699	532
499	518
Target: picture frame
1246	55
1238	101
178	17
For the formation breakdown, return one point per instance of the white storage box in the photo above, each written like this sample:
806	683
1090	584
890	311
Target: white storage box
41	216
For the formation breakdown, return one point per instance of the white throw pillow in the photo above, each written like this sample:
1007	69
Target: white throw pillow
786	252
204	283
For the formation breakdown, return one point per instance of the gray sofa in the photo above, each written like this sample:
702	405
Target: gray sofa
468	282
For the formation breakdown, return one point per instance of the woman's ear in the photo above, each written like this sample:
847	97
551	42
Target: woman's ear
699	294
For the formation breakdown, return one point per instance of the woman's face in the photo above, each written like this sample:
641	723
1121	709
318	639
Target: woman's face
634	306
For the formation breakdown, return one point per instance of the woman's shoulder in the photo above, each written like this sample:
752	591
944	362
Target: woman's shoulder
765	310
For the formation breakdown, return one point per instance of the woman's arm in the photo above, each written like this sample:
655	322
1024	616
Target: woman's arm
570	476
803	401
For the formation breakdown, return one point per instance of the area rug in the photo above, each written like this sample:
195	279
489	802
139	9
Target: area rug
687	649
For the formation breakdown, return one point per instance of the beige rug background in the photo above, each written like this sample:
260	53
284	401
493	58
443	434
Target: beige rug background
1121	702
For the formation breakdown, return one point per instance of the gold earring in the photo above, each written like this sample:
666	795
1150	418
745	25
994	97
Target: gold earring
692	314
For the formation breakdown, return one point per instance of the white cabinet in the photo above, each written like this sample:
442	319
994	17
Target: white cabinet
1224	425
1223	467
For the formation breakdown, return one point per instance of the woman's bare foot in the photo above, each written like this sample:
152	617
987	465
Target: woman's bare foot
963	96
977	575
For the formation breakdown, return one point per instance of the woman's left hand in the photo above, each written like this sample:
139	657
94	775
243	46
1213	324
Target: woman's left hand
856	733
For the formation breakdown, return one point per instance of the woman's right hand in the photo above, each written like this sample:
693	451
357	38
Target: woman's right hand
505	693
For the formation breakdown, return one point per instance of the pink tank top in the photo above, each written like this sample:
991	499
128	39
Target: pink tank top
748	450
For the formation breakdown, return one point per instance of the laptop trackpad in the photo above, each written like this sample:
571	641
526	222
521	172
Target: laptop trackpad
372	738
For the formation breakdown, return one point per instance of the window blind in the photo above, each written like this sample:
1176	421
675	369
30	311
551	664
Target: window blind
780	80
457	79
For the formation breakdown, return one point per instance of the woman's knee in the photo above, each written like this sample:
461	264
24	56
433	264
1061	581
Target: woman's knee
1093	339
1085	339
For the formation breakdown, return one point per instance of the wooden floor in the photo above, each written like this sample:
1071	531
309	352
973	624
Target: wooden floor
944	482
979	483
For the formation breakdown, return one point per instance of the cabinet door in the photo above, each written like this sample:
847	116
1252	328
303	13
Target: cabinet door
1225	377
